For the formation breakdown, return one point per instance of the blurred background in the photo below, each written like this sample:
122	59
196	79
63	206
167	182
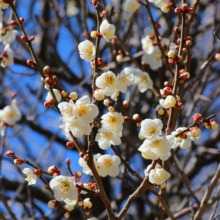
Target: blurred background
59	26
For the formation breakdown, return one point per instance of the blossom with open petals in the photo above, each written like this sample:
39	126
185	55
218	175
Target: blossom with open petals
8	37
150	129
7	56
3	5
143	81
65	188
56	93
106	138
107	30
154	150
131	6
168	102
10	114
112	121
31	177
87	50
147	45
108	82
109	165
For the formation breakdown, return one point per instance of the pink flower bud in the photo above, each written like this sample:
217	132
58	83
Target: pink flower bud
107	102
86	157
185	50
103	14
64	93
94	2
138	124
47	70
178	10
24	38
37	172
68	161
178	41
18	161
171	60
52	169
30	62
10	153
180	59
217	56
21	20
48	104
177	30
82	154
125	104
208	125
188	42
126	118
190	11
49	80
195	131
185	7
177	47
70	144
13	22
136	117
78	174
113	41
180	106
32	38
168	84
197	118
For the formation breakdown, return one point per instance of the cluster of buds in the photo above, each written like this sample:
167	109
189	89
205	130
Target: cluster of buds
100	63
84	156
185	9
25	38
195	131
198	119
217	56
187	42
184	75
54	171
49	104
211	125
137	119
174	58
49	79
120	56
31	63
70	144
166	91
162	111
95	34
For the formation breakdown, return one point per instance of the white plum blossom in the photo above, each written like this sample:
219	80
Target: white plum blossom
147	45
154	59
71	9
65	188
10	114
31	177
109	165
143	81
56	93
99	95
93	218
150	129
168	102
7	56
8	37
167	45
85	167
106	138
158	175
184	140
112	121
108	82
70	204
78	127
172	140
3	5
67	134
131	6
154	150
107	30
81	110
160	3
126	78
87	50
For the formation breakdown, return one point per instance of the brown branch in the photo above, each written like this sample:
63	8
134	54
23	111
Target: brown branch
207	195
184	177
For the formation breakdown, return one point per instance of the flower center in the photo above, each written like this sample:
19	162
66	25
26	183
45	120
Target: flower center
65	185
10	113
158	55
90	50
107	163
144	79
109	80
112	119
107	135
82	111
151	130
155	144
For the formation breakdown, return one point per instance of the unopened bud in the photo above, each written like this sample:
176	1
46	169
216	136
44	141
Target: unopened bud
94	34
180	59
18	161
188	42
78	174
103	14
24	38
119	58
82	154
21	20
68	161
13	22
64	93
37	172
177	30
52	203
185	7
47	70
168	84
10	153
197	118
172	54
159	110
195	131
70	144
125	104
73	96
111	108
126	118
32	38
190	11
94	2
107	102
180	106
217	56
99	95
86	157
214	125
178	10
113	41
136	117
